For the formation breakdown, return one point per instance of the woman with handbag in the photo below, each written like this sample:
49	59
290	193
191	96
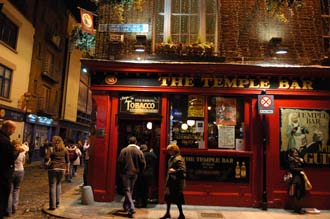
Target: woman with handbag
58	161
175	181
297	188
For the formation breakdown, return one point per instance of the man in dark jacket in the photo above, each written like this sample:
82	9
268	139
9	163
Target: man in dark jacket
131	162
7	160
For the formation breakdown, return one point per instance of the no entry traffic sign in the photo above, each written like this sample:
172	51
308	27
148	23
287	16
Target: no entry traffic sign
266	104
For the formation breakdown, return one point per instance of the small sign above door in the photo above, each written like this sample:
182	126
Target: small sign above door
133	104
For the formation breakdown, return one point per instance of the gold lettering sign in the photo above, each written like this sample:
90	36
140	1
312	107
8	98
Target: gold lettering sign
225	82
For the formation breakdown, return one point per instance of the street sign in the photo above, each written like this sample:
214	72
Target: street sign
266	104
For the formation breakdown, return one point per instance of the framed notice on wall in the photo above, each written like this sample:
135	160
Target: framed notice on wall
226	136
195	106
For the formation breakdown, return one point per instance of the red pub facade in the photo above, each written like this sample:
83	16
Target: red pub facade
225	153
227	109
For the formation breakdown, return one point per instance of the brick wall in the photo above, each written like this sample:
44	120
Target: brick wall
245	28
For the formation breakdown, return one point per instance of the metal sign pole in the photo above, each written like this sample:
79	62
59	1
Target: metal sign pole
264	159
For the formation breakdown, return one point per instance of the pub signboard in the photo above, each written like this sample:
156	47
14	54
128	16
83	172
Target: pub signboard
213	168
136	104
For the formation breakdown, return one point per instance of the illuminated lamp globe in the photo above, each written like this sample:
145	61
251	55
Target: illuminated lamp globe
184	126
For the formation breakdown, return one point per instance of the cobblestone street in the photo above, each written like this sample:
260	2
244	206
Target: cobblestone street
34	192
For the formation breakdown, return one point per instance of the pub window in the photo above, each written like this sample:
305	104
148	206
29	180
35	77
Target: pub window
5	81
187	120
225	122
8	31
223	118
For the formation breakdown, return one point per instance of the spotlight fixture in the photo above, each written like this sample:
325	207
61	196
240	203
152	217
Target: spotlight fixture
276	47
84	70
139	49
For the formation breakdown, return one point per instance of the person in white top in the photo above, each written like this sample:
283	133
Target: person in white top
17	177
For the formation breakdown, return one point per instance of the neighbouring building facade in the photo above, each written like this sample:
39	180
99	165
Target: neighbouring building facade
49	91
206	75
16	46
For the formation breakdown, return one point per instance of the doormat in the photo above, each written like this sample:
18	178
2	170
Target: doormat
212	215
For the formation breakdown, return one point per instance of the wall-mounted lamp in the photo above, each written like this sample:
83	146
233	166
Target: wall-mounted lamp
140	47
275	46
84	70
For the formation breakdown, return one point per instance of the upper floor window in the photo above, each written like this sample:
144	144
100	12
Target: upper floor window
325	14
186	21
45	103
5	81
8	31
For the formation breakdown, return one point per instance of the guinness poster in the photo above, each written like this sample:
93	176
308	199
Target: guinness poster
308	131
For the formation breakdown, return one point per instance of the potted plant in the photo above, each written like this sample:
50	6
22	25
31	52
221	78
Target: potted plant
83	41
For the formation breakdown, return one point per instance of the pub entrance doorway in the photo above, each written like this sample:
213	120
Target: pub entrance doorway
147	131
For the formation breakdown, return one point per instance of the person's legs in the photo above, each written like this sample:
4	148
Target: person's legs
131	183
181	216
168	208
52	189
59	176
10	199
5	187
19	175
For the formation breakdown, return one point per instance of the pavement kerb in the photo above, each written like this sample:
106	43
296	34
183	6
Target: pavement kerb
72	208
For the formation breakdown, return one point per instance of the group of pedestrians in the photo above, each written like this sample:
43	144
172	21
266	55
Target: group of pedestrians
56	159
133	162
12	158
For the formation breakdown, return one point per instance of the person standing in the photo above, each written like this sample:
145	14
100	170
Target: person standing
17	176
59	162
297	185
42	152
7	161
131	162
175	181
145	179
86	159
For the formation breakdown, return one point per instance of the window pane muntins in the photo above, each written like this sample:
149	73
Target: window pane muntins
5	81
8	31
185	20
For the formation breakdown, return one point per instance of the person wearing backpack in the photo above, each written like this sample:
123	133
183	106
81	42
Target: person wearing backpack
73	156
76	159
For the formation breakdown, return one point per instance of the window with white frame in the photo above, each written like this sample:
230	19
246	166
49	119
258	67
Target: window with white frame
5	81
185	21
